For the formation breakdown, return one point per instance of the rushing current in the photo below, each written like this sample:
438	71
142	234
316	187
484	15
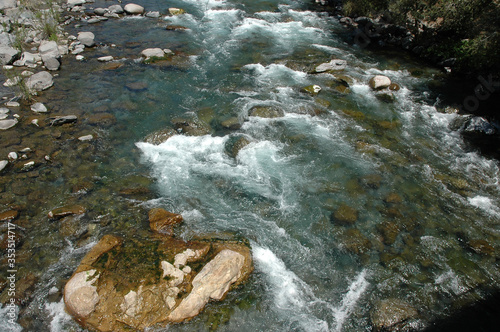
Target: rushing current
421	198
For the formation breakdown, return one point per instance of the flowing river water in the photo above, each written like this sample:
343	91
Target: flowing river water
424	203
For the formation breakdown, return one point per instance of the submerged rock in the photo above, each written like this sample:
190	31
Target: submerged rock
66	211
266	112
60	120
160	136
124	285
313	90
392	315
8	215
345	215
162	221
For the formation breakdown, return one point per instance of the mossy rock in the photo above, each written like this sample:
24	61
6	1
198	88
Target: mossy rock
313	90
345	215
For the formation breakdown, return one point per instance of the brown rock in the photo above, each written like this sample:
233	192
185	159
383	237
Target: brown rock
393	198
389	231
162	221
345	215
266	112
481	247
355	242
8	215
66	211
392	314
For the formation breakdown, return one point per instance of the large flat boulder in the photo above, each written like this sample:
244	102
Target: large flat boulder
136	285
7	55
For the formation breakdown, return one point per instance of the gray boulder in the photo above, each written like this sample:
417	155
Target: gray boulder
133	9
40	81
101	11
116	9
7	55
86	38
4	4
333	65
60	120
49	52
153	52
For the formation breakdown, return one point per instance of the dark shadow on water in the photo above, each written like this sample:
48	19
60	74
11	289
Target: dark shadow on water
481	316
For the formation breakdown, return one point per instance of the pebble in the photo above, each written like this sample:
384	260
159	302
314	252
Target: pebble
80	57
85	138
105	58
12	104
34	122
12	155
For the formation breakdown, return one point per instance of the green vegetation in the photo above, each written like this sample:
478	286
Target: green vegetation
468	30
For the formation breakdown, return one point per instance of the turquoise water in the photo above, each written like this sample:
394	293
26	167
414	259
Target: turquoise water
420	197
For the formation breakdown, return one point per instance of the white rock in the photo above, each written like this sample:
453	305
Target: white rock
153	52
12	156
3	116
212	282
3	164
86	38
335	64
85	138
379	82
105	58
4	110
80	295
133	9
176	275
39	108
12	81
12	104
27	73
6	124
80	57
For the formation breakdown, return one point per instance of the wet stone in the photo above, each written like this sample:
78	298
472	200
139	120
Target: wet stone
392	315
389	231
481	247
163	221
345	215
8	215
66	211
137	86
60	120
355	242
266	112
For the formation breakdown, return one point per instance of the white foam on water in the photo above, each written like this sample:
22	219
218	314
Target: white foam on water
292	296
449	282
9	323
281	34
276	74
329	49
350	299
184	163
60	318
192	215
485	204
